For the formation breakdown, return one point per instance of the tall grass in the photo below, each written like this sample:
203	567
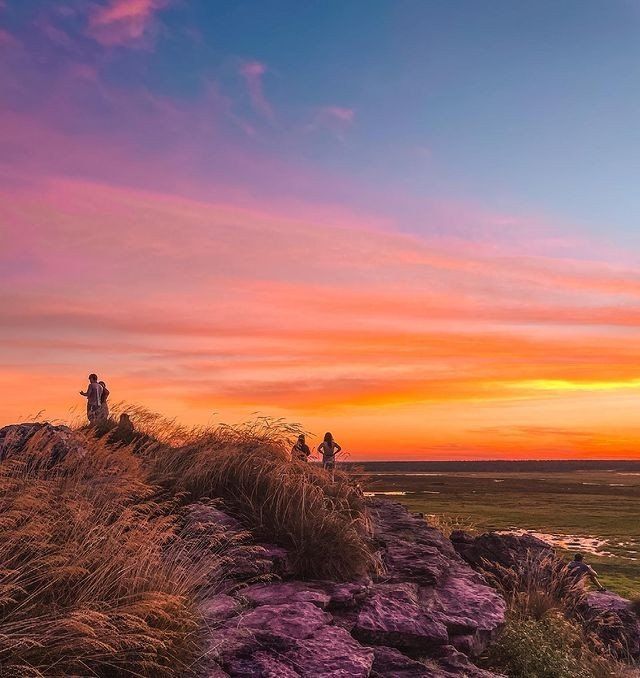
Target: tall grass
94	579
323	522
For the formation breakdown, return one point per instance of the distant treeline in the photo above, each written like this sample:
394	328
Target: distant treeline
499	465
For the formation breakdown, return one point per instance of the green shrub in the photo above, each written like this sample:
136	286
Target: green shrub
550	647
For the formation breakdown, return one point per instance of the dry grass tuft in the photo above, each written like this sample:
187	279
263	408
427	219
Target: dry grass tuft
449	522
541	583
93	578
323	523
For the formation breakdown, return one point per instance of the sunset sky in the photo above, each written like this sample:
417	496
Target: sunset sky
412	223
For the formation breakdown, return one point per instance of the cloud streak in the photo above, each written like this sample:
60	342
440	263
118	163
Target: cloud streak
253	73
124	22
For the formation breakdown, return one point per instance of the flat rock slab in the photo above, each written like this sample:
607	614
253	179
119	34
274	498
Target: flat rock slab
260	665
323	594
280	593
392	521
411	562
391	662
466	604
292	620
331	652
393	615
218	608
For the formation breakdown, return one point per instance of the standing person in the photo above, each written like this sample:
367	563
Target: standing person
104	407
579	570
300	451
93	394
329	448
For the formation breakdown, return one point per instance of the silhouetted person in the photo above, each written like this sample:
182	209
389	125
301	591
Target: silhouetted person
300	451
93	394
329	448
578	569
125	432
104	407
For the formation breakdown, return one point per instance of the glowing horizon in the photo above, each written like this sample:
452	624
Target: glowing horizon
225	245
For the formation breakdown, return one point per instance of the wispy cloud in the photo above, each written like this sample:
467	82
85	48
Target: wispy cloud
124	22
334	119
253	73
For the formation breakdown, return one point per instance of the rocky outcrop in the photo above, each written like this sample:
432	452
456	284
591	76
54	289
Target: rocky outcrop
614	621
493	548
426	616
606	615
39	444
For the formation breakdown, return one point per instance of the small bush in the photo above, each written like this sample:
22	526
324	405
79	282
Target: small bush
545	635
448	523
547	647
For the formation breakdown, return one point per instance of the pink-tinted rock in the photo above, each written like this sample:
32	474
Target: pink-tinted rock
331	652
279	593
506	550
206	513
412	562
392	522
212	670
262	664
278	560
613	620
393	615
292	620
229	641
453	664
346	594
471	610
41	445
218	608
391	662
324	594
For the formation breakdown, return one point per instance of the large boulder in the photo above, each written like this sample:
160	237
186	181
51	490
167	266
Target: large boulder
493	548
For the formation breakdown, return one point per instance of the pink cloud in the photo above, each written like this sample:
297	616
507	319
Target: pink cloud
122	22
253	72
8	40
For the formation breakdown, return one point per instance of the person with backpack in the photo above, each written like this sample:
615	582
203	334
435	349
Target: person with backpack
93	394
329	449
